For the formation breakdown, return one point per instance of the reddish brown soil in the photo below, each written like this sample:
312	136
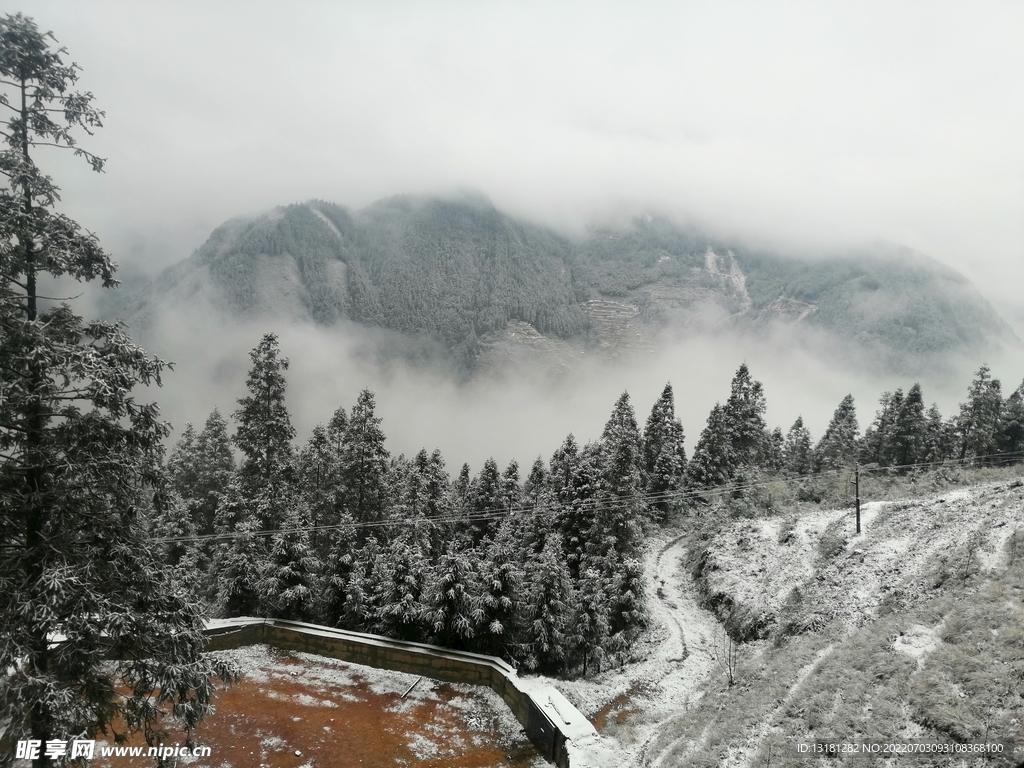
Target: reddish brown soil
265	723
618	710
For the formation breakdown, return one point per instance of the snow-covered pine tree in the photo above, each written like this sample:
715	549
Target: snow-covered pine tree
183	462
937	437
500	599
317	467
79	457
488	499
735	436
574	480
361	590
264	435
454	613
549	606
265	430
200	466
838	447
536	482
774	460
237	561
878	438
588	630
713	462
172	521
620	508
400	586
797	451
336	573
1011	432
978	424
744	412
364	463
908	433
290	572
511	490
664	452
437	493
627	605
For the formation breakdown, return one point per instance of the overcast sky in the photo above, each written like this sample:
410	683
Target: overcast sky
806	126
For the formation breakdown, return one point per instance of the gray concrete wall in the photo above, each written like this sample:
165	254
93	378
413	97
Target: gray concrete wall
543	730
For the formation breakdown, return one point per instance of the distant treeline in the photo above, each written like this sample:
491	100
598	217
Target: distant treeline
544	570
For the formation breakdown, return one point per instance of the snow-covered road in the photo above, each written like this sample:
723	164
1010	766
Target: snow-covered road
678	656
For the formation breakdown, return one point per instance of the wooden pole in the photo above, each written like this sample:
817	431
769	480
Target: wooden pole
856	486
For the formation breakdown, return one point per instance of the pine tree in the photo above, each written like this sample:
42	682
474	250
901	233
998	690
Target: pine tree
454	612
217	467
237	563
744	413
978	425
1011	432
774	459
500	600
511	490
938	445
734	439
620	508
797	452
362	591
172	521
713	461
575	481
488	499
909	430
878	439
626	604
536	481
336	574
838	446
549	606
183	463
588	632
290	571
199	467
664	452
318	472
79	457
401	586
364	463
265	429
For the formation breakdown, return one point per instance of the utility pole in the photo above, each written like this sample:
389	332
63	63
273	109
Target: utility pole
856	487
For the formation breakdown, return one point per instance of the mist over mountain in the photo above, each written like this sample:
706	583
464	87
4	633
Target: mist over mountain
459	281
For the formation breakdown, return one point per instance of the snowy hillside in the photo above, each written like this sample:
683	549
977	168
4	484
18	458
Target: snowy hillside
911	630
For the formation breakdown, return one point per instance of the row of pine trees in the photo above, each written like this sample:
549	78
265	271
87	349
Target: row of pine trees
544	570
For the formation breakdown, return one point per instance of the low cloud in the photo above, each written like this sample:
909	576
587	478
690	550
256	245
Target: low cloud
519	412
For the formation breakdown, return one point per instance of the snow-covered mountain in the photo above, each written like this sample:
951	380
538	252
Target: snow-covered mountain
489	289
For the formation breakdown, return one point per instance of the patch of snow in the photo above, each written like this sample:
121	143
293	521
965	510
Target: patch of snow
917	642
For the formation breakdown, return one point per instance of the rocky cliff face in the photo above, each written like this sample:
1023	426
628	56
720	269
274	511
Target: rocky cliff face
493	290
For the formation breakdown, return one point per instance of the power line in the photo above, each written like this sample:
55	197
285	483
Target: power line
594	505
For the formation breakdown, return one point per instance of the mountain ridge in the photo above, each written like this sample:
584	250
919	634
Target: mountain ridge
467	276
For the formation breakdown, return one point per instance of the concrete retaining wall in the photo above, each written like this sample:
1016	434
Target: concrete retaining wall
550	721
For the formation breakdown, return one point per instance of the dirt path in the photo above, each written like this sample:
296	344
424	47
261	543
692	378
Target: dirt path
634	705
685	659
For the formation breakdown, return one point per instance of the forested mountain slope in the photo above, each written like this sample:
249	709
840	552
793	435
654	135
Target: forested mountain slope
488	287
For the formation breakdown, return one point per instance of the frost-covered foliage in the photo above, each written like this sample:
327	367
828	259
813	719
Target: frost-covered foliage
96	636
545	572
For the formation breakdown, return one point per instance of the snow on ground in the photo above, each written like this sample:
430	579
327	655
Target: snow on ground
758	563
480	712
636	699
903	548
